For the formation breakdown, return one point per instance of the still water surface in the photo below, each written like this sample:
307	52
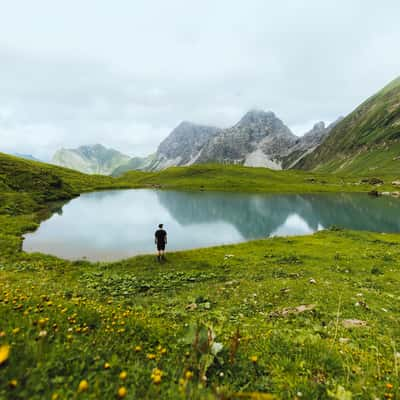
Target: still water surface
113	225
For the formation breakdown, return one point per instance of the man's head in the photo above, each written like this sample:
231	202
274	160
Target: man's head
160	226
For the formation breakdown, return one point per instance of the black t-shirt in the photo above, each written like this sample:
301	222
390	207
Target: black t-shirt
161	236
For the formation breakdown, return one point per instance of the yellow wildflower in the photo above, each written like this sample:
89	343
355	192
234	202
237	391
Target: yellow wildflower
122	392
151	356
4	353
156	375
107	365
83	386
123	375
254	359
138	348
188	375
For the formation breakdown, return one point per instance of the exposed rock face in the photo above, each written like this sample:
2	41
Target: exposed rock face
183	145
259	139
308	143
95	159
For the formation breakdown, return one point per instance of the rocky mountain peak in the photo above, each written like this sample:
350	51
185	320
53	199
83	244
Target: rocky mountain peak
184	134
184	125
261	124
319	125
182	145
256	116
317	129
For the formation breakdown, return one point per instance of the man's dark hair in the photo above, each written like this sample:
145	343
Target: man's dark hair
160	226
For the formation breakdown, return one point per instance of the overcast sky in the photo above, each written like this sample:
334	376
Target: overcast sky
124	73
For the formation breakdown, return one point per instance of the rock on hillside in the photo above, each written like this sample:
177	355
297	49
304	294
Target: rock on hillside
95	159
259	139
183	145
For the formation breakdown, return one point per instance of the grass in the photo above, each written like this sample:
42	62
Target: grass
259	320
238	178
65	322
383	158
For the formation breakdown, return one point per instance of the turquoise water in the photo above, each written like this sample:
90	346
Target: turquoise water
112	225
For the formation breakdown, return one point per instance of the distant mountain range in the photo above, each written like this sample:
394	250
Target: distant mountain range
259	139
26	156
95	159
368	138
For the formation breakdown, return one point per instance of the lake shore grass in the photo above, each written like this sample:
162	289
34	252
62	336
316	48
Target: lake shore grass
287	318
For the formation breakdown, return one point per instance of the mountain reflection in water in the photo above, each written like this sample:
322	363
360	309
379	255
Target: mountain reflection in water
116	224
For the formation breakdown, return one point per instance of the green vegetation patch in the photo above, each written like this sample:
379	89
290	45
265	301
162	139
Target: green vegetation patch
284	318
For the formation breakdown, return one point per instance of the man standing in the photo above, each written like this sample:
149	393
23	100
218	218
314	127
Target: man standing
160	239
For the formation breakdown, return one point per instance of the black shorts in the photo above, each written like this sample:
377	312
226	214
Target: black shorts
160	246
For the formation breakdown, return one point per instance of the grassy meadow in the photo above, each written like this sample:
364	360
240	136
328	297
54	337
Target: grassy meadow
311	317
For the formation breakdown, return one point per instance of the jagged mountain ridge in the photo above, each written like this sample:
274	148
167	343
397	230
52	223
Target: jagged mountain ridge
258	139
307	143
183	145
91	159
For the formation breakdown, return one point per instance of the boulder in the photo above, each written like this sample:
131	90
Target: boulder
372	181
354	323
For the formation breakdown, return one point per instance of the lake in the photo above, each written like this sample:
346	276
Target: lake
112	225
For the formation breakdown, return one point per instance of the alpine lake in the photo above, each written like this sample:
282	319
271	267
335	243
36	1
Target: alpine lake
117	224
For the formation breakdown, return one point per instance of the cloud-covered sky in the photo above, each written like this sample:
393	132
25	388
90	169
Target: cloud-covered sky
125	73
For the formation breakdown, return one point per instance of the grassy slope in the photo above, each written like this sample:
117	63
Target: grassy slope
237	178
64	321
366	140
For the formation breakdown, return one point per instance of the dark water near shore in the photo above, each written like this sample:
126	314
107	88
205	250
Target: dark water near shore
113	225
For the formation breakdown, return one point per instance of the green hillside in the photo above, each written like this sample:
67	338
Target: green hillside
30	190
367	141
238	178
